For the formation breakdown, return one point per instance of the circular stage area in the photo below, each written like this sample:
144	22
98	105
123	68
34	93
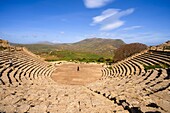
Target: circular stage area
70	74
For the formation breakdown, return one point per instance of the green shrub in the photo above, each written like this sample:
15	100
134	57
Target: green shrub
2	48
155	66
167	47
110	68
101	59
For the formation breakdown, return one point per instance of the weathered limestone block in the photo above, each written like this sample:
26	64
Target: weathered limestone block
23	108
38	108
7	108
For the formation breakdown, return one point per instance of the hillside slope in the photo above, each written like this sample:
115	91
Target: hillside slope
97	46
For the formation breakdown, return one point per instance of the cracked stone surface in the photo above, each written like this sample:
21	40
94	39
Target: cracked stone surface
54	98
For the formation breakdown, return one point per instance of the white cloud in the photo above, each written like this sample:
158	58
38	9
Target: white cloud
110	18
62	32
96	3
56	41
111	26
131	28
105	14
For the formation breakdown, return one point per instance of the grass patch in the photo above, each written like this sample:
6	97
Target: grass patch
73	56
167	47
110	68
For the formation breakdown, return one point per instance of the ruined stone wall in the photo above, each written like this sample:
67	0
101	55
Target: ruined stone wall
4	43
161	47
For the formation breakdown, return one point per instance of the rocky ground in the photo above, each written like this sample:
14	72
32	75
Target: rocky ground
54	98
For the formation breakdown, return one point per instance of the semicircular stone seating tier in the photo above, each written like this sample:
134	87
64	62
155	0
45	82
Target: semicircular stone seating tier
135	89
135	65
18	67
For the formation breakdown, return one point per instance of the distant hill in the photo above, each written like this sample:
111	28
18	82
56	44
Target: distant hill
92	45
98	45
45	42
92	48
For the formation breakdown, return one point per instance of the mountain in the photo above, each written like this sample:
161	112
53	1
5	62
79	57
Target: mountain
91	45
98	45
95	42
45	42
89	49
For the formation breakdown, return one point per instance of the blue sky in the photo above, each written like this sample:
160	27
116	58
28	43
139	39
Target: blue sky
66	21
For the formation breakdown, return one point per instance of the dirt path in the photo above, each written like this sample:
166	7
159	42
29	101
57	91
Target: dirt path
68	74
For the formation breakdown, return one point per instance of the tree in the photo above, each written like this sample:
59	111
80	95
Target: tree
101	59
